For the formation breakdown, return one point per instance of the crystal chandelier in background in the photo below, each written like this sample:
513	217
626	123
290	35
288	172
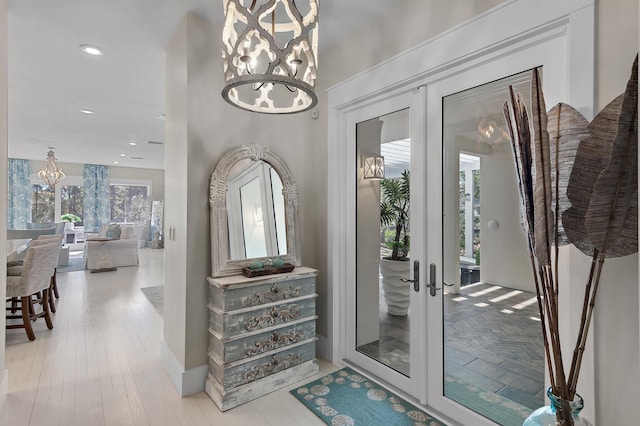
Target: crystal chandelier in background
269	52
51	173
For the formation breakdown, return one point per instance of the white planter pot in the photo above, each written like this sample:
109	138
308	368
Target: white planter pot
396	292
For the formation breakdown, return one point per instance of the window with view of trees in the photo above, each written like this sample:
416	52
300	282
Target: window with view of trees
468	201
72	200
43	201
128	203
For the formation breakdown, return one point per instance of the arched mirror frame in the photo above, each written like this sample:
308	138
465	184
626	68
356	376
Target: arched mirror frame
221	263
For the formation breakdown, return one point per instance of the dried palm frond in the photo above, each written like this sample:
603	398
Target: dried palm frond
517	118
611	219
567	128
541	155
591	159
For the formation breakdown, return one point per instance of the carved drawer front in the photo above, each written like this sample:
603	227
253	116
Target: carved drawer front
226	351
247	371
239	297
243	321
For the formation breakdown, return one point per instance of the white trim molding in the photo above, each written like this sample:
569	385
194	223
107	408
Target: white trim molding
4	386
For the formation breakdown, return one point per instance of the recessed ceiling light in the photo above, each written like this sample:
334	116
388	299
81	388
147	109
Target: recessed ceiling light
91	50
133	143
86	111
115	162
123	155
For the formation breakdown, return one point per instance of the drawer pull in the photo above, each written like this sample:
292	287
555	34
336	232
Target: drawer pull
273	341
272	366
271	295
273	317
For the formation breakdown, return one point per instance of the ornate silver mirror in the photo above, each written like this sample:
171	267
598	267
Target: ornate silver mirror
254	210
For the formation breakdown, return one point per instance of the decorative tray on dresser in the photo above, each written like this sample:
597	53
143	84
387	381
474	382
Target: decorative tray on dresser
261	334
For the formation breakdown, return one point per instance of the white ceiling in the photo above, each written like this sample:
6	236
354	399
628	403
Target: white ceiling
51	80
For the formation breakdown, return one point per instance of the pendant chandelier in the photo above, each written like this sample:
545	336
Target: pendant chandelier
51	173
269	52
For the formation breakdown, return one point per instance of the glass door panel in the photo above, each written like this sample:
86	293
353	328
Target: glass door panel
493	351
382	240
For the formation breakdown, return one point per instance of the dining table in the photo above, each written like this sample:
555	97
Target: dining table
15	248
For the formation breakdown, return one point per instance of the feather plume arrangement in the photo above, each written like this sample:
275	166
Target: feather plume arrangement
578	184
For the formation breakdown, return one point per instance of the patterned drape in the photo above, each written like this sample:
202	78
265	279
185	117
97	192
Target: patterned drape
97	209
19	194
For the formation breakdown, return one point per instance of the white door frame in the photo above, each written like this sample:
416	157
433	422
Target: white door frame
515	26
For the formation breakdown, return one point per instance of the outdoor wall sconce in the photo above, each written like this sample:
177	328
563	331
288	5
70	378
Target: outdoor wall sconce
374	167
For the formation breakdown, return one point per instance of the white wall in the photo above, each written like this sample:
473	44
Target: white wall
175	208
407	24
616	327
504	254
200	128
3	189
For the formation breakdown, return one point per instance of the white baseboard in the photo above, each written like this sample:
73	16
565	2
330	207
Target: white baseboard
4	386
186	382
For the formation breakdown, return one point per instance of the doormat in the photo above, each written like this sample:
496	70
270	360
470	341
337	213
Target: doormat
491	405
155	295
345	397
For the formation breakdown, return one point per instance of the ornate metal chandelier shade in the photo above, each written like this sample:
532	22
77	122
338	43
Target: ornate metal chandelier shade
51	173
270	51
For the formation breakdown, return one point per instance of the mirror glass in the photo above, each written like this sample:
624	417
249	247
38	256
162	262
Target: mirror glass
254	203
255	210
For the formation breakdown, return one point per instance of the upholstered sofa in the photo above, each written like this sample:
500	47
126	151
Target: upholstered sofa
121	250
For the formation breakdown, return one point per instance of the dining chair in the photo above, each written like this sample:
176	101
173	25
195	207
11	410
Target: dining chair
16	270
37	270
54	281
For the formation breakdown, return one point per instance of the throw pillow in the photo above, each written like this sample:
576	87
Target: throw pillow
113	231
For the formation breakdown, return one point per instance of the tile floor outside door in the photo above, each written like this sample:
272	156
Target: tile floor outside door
493	340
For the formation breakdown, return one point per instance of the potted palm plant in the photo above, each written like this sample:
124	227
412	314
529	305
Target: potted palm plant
394	213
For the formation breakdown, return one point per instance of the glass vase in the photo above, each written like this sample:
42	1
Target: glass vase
552	415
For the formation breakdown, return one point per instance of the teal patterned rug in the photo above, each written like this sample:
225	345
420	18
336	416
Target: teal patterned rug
497	408
348	398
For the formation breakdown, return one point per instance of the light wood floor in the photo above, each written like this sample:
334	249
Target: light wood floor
100	365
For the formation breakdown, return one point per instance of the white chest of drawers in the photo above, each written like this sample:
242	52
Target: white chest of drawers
261	334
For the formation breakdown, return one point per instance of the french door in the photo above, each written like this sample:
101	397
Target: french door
465	244
485	356
385	330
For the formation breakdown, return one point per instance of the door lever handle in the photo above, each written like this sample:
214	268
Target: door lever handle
432	279
416	276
